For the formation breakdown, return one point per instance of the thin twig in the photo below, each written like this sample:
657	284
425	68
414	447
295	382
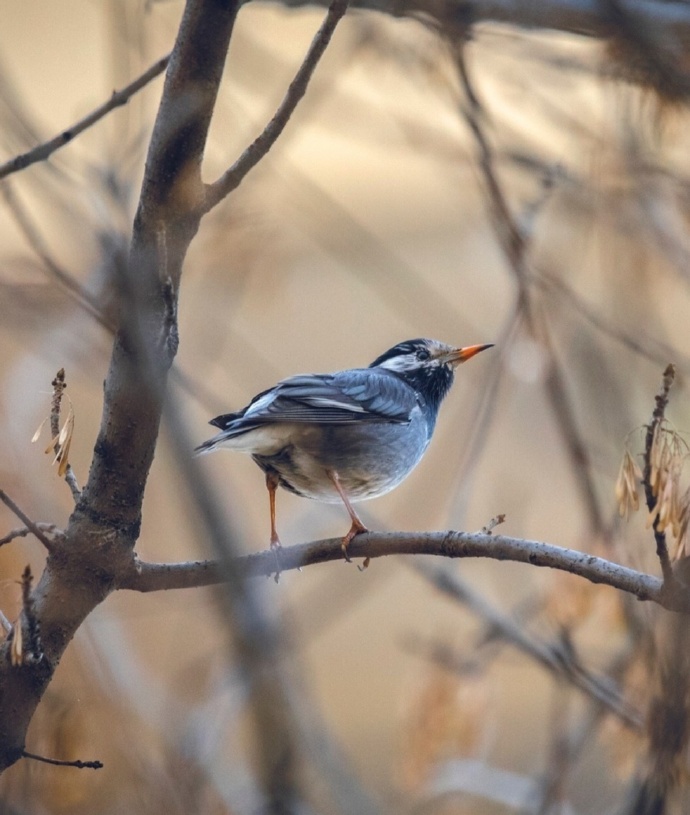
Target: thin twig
510	236
235	174
35	529
661	400
80	765
13	534
23	531
497	520
638	342
69	283
43	151
59	384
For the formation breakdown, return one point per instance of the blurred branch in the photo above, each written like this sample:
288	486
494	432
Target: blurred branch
43	151
646	56
28	228
143	576
80	295
515	244
234	176
260	641
556	658
483	412
583	17
668	725
510	237
637	342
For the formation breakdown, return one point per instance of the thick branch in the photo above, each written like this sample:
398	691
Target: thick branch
106	521
161	576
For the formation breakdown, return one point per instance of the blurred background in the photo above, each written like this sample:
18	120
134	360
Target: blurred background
370	222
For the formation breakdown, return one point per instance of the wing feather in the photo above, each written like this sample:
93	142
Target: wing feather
347	397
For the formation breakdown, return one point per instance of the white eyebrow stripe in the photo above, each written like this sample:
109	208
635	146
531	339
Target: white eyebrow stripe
402	363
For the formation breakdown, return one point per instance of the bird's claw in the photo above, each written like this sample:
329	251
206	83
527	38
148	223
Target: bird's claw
275	547
356	529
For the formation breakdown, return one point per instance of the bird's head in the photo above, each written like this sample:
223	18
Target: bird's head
427	365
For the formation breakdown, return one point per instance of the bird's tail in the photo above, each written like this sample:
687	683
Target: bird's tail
207	446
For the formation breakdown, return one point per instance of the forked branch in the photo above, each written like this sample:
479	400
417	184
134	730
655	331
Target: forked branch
234	175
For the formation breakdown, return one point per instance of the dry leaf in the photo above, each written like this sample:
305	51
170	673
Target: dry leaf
627	495
51	447
61	444
37	434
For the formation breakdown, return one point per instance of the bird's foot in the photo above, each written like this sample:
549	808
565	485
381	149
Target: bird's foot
356	529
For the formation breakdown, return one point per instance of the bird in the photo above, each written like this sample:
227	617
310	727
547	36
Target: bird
346	436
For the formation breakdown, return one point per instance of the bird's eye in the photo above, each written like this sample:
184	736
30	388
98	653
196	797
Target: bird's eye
423	355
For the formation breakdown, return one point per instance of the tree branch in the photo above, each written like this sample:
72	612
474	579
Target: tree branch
43	151
234	175
106	521
670	20
79	765
147	577
661	401
23	531
34	528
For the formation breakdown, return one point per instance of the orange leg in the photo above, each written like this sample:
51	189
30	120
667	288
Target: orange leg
357	525
272	486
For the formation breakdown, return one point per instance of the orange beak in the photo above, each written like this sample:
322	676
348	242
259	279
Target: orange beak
459	355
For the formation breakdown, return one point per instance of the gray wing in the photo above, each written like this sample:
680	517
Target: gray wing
347	397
